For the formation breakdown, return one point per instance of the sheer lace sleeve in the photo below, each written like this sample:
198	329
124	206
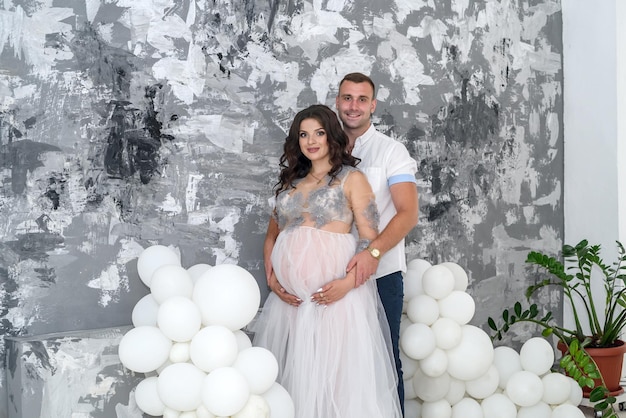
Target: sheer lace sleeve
363	204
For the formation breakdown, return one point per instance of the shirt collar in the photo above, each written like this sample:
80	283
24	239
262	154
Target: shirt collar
366	135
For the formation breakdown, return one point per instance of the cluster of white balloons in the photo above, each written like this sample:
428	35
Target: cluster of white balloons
188	339
451	368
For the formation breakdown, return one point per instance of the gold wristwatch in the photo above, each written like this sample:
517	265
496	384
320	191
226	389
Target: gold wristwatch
375	252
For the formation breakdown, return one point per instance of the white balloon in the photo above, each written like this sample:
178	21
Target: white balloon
412	408
538	410
438	282
409	365
447	333
147	397
171	413
418	341
473	356
169	281
188	414
202	412
198	270
259	367
431	389
165	364
243	340
409	390
404	322
460	276
418	264
435	364
256	407
458	306
179	353
227	295
485	385
225	391
456	392
437	409
413	278
537	356
212	347
508	362
498	406
280	402
524	388
145	311
180	386
422	309
556	388
179	318
567	411
144	349
152	258
467	408
576	392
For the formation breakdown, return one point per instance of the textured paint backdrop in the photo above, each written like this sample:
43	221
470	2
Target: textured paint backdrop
126	123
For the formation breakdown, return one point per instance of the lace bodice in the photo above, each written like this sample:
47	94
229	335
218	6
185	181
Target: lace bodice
318	208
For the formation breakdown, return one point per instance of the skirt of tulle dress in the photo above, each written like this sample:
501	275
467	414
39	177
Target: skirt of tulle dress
336	360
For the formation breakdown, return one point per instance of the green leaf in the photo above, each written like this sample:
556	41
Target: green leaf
579	356
597	394
533	310
589	368
601	406
547	332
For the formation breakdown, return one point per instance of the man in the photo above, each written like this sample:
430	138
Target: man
391	173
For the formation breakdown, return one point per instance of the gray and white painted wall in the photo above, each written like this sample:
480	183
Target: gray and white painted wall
127	123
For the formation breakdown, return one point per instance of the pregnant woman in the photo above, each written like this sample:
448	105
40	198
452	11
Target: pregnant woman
332	346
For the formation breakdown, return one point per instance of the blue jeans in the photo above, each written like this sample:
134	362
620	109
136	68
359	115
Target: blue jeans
391	291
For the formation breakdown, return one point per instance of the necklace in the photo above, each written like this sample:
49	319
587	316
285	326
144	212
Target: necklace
319	180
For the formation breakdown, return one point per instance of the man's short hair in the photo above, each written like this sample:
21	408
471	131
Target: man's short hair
359	78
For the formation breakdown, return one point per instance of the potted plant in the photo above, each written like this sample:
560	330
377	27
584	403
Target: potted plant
602	328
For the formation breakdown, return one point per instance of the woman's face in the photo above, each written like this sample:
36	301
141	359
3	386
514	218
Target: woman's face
313	140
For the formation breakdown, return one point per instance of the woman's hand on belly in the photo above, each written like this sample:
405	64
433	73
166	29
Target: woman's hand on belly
280	291
335	290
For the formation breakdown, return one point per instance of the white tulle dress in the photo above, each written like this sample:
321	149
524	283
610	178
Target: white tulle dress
335	360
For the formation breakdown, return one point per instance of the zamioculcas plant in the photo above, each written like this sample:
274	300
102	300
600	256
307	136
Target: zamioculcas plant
574	277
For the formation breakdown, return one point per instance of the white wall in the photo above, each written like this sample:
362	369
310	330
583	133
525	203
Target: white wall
621	121
594	45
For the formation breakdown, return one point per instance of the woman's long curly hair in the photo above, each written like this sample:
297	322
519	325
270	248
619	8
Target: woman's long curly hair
294	165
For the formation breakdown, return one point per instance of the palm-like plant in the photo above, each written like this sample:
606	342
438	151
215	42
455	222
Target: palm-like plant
603	332
574	277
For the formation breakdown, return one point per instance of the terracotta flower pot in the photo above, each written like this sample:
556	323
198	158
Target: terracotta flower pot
609	361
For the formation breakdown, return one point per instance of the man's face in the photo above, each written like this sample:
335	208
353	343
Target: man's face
355	105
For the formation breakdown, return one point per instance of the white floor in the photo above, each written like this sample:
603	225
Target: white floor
589	412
